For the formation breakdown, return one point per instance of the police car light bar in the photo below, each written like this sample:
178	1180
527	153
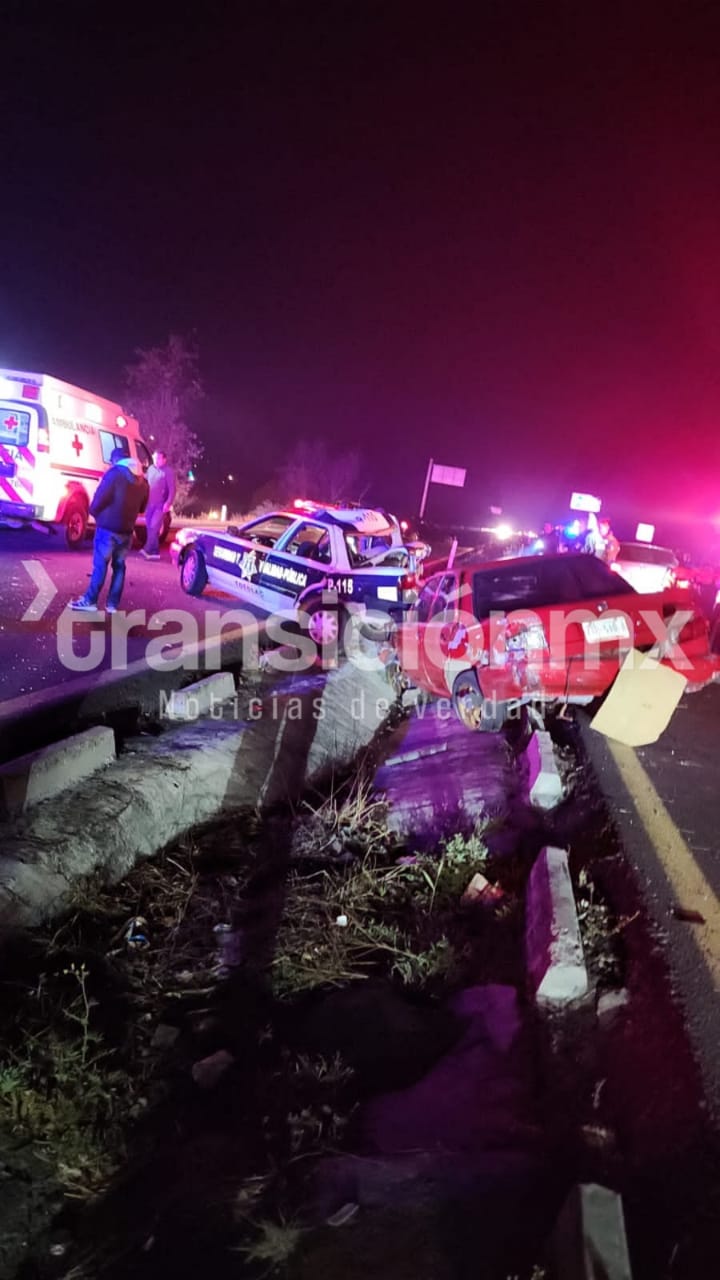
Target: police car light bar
585	502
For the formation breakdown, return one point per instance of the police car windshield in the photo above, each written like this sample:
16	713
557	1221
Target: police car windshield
267	530
366	548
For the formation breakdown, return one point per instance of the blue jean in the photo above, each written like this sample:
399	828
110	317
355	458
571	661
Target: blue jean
153	524
108	547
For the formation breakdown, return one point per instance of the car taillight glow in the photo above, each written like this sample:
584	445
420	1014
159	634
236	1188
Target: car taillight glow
524	637
409	582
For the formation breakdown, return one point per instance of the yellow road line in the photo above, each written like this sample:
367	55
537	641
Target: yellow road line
689	885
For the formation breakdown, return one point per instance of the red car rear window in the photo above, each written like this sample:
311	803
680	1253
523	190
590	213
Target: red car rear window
536	582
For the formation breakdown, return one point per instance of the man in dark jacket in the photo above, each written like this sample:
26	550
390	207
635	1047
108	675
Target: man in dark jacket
119	498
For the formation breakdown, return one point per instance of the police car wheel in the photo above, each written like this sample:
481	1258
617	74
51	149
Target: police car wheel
193	574
325	625
477	713
76	520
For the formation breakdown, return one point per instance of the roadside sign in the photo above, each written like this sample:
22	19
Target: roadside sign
437	474
645	532
585	502
454	476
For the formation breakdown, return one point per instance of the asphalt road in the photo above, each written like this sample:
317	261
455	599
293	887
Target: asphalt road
665	802
47	652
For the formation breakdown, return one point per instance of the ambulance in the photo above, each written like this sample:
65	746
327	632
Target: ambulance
55	446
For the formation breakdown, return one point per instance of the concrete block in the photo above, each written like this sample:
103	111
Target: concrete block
46	773
198	699
589	1238
544	779
554	951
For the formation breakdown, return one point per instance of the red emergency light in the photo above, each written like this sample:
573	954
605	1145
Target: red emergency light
30	392
120	421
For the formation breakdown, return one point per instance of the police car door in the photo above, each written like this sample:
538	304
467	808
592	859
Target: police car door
298	563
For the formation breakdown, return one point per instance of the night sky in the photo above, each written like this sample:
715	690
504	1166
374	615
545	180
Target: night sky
490	234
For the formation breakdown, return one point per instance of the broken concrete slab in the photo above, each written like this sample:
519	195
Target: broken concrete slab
544	778
554	950
439	777
46	773
252	755
589	1239
198	699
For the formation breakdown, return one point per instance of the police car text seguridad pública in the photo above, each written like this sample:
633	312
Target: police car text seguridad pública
326	562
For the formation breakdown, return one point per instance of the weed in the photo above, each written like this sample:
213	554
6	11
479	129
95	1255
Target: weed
597	932
275	1245
353	821
62	1093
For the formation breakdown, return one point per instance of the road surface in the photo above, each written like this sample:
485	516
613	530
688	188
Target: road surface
664	799
44	653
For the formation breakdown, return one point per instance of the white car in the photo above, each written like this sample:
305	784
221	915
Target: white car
645	567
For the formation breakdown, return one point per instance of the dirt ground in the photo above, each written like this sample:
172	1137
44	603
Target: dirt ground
289	1046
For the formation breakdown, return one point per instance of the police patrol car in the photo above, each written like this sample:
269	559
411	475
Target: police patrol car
326	561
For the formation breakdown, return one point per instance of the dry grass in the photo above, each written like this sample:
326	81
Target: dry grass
341	924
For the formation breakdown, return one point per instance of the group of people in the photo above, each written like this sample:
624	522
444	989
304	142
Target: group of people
122	495
599	540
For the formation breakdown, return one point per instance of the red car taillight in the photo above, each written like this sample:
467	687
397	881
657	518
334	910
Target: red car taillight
409	582
527	637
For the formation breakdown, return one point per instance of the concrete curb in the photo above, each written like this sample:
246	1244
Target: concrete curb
544	779
554	950
197	699
162	787
589	1239
44	774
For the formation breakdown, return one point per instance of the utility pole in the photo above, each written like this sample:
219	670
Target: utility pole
427	486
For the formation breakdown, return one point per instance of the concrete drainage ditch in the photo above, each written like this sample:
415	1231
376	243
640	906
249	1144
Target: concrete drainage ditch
303	1038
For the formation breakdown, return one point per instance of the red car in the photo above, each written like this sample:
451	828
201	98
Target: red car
495	634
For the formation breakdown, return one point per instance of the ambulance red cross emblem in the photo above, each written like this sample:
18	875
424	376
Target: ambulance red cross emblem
77	445
12	423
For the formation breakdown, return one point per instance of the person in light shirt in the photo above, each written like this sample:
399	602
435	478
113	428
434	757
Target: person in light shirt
601	540
161	479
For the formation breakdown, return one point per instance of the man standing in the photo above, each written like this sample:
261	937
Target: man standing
119	499
161	479
601	541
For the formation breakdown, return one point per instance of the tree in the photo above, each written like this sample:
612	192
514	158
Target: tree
163	385
309	471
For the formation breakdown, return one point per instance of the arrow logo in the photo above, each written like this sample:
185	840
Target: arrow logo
46	591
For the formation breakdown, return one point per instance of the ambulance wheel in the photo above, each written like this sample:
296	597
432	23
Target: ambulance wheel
325	627
479	714
193	574
76	522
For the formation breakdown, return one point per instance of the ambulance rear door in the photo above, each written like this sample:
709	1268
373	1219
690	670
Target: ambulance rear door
19	457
